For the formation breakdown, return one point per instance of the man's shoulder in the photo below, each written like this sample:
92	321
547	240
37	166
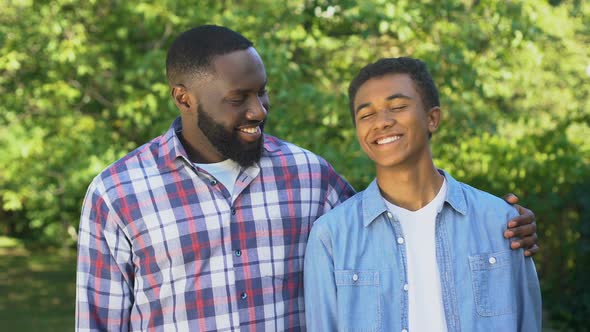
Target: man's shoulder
137	163
274	144
277	148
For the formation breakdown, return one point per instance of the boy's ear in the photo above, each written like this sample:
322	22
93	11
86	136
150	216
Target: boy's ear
434	118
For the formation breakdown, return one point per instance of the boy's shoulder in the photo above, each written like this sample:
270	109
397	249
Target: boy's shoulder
482	200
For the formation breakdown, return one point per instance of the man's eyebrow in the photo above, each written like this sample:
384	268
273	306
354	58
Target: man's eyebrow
240	91
245	91
392	97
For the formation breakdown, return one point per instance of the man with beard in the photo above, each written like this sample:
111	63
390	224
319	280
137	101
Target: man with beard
205	227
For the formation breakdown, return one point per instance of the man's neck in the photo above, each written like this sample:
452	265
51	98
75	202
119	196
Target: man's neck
197	146
410	187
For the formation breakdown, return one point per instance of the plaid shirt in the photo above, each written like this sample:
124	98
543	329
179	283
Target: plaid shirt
163	246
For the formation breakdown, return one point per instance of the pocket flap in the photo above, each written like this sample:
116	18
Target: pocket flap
490	260
356	278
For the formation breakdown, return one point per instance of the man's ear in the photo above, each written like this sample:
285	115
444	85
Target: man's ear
183	99
434	117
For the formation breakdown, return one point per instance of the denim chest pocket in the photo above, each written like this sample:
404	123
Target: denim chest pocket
492	278
359	307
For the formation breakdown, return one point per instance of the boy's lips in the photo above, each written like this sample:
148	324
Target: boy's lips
387	139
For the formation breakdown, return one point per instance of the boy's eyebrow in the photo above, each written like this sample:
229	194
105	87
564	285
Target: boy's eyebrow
392	97
398	95
361	106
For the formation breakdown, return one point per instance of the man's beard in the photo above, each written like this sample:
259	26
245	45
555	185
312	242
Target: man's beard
227	142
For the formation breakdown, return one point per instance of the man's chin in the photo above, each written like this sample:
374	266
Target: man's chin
247	162
249	154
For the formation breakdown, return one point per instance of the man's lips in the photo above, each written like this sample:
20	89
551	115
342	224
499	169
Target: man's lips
251	132
251	127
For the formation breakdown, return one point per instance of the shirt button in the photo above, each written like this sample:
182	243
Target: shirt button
389	215
233	211
243	296
213	182
404	330
400	240
406	287
492	260
238	253
355	277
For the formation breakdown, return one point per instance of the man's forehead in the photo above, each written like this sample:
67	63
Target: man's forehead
243	67
241	60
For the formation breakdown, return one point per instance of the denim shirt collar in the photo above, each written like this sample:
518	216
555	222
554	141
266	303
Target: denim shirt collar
374	206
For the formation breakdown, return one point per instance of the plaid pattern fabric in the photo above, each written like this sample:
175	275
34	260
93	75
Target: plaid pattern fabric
164	247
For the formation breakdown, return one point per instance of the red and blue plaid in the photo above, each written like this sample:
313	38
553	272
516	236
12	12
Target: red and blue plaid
163	246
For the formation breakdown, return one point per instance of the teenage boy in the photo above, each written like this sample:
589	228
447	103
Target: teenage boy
417	250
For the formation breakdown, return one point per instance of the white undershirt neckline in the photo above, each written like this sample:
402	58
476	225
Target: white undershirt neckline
226	172
424	286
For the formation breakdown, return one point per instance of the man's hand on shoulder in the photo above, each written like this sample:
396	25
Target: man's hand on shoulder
522	229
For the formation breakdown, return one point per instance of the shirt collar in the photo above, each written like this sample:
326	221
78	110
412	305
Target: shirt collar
455	194
170	147
374	206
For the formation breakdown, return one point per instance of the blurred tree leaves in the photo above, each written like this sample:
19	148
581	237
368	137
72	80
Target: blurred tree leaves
82	83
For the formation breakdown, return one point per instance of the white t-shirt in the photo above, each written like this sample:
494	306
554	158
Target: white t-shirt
225	172
426	308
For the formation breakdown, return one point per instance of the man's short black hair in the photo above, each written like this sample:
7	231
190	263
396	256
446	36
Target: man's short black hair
416	69
192	52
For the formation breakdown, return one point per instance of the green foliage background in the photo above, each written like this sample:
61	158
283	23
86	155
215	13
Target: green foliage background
82	83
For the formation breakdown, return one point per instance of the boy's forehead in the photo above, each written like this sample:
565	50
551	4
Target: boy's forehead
384	86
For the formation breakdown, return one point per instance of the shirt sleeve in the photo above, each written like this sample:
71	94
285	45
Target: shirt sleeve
320	287
529	302
527	289
338	189
104	278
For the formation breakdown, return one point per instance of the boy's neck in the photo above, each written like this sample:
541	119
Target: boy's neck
410	187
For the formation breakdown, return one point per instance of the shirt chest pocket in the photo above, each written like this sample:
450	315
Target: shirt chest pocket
359	301
492	278
278	247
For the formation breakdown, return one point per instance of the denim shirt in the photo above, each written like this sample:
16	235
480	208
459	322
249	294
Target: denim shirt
356	267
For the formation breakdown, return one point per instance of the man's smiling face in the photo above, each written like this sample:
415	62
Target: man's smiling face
233	106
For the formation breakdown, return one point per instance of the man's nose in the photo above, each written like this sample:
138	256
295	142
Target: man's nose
257	111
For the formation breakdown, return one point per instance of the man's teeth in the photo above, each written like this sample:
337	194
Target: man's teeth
253	130
386	140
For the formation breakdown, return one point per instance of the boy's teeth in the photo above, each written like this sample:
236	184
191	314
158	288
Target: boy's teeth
388	139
